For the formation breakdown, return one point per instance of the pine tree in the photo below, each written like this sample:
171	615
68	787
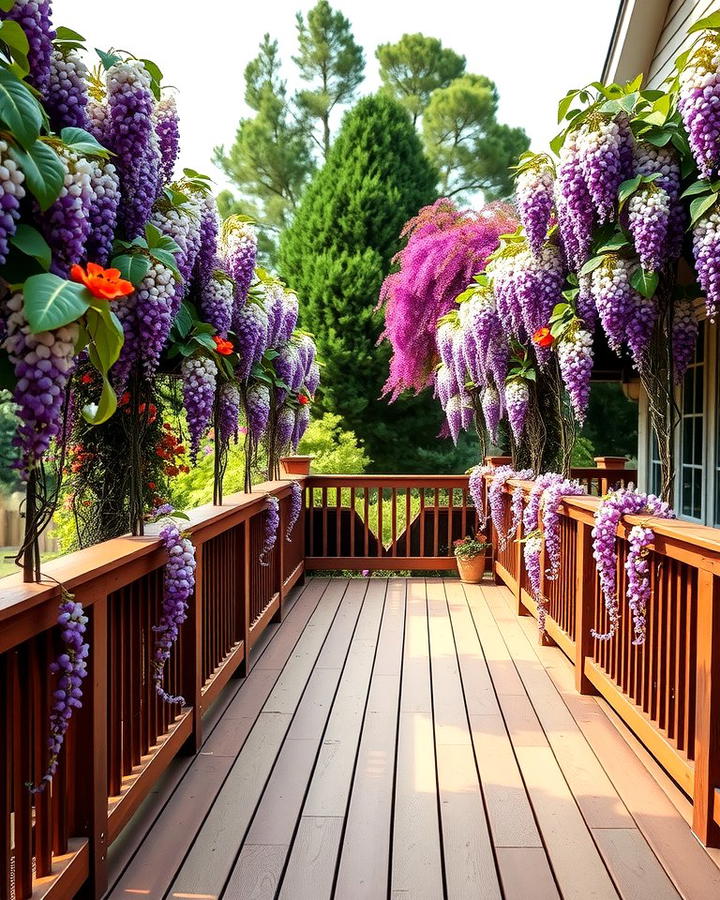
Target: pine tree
336	254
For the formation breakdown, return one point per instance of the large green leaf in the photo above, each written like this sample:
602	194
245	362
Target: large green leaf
97	413
51	302
645	283
44	172
133	266
709	22
32	243
19	109
15	39
700	205
106	334
82	142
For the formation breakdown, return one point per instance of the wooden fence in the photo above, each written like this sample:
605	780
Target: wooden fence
123	738
667	690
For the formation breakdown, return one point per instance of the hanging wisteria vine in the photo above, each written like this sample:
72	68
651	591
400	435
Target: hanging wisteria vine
271	524
296	503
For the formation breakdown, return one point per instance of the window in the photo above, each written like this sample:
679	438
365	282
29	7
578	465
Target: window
692	435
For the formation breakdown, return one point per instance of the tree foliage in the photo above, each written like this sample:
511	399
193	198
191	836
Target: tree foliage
335	450
330	61
414	67
464	140
270	159
335	255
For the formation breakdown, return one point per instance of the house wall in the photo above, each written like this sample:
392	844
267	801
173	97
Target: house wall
649	36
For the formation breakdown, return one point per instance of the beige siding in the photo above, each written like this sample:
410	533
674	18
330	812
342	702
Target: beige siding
674	38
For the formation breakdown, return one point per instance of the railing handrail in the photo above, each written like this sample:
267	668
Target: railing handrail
693	536
83	566
400	481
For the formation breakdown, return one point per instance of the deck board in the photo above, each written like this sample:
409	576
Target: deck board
409	738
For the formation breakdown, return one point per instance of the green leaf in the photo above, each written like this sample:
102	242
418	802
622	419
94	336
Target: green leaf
106	334
6	5
205	340
133	266
12	34
557	142
611	106
644	282
565	104
43	170
165	242
156	76
107	59
51	302
697	187
591	265
167	259
183	321
82	142
63	35
191	173
29	241
710	23
627	188
617	242
97	413
658	138
19	109
700	205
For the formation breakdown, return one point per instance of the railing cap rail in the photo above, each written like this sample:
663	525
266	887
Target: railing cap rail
83	566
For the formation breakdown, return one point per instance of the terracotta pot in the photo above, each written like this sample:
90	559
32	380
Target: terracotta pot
471	571
296	465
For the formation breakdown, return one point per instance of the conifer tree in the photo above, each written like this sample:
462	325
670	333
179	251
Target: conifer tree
335	255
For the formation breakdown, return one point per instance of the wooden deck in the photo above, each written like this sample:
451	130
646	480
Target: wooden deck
409	738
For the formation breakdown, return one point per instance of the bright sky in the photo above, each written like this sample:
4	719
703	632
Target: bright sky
534	51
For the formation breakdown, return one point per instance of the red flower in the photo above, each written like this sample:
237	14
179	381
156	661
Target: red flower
543	338
303	399
224	348
103	283
151	485
86	378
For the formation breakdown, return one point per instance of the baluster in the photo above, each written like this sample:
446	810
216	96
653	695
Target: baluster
393	500
351	554
436	521
366	521
423	554
584	605
338	520
380	521
707	709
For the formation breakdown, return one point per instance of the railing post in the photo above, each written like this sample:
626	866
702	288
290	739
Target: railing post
608	462
584	605
192	676
707	710
520	609
91	774
245	599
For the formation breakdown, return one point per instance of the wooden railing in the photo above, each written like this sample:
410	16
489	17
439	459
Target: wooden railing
405	522
667	690
386	522
123	738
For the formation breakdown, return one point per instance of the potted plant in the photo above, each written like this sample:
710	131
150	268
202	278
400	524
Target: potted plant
296	465
470	553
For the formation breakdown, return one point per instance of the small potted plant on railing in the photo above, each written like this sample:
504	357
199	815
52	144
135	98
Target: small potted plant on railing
470	553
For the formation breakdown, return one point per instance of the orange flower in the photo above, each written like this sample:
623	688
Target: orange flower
103	283
543	338
302	399
224	348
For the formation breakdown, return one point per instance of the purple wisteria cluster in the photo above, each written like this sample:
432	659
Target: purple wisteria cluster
699	104
67	96
67	223
199	377
705	243
270	529
604	149
684	337
551	520
33	16
575	358
71	666
296	503
649	223
257	409
178	587
501	475
167	129
105	184
534	196
43	364
228	412
517	400
216	301
130	134
238	249
573	204
617	504
626	316
533	541
11	194
476	489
